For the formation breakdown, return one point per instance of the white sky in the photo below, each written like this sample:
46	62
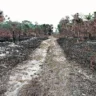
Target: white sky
45	11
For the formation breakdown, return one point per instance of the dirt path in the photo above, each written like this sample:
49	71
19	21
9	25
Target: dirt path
48	73
64	78
23	73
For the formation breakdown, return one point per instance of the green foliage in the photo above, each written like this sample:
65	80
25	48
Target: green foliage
59	27
89	16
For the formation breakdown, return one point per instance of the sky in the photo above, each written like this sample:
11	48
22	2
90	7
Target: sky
45	11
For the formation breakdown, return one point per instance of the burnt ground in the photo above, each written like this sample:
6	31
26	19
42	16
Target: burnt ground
81	52
12	54
57	75
60	77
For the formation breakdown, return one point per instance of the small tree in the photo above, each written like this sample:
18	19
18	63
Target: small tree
89	17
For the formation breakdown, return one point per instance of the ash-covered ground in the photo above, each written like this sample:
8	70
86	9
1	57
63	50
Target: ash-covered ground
12	54
47	71
81	52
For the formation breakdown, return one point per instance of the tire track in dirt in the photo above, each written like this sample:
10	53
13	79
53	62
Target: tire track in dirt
63	78
25	72
58	76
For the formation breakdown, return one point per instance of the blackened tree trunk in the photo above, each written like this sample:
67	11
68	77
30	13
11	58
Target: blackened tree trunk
14	39
90	36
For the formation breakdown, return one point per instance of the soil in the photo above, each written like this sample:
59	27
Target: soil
12	54
47	72
81	52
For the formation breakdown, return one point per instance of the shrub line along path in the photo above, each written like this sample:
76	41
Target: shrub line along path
49	73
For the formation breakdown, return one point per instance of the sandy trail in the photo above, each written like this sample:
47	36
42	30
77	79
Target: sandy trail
29	69
54	75
63	78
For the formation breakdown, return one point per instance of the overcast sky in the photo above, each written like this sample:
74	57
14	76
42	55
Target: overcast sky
45	11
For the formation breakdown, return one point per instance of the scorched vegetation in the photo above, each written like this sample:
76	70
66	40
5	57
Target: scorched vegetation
78	39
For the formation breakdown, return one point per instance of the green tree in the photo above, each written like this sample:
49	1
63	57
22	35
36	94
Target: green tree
89	17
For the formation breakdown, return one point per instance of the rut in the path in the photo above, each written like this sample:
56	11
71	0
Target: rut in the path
23	73
63	78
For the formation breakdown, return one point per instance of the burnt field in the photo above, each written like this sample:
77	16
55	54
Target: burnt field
83	52
11	54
